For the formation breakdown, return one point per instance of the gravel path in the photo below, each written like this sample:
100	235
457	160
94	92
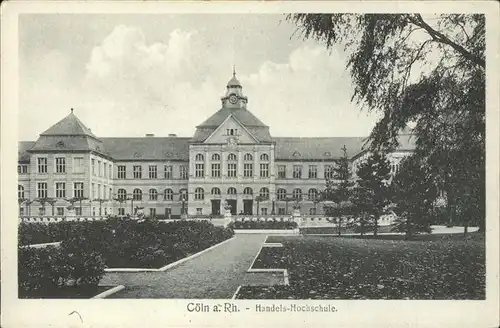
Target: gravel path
215	274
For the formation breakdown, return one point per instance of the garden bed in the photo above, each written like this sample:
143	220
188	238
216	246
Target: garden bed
270	258
263	225
335	230
350	268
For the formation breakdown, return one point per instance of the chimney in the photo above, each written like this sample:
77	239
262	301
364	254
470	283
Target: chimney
172	135
149	135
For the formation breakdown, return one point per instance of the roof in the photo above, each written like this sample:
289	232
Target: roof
316	148
234	82
69	126
255	126
22	154
148	148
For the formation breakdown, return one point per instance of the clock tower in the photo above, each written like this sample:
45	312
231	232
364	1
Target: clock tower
234	96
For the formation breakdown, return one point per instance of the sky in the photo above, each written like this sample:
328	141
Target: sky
129	75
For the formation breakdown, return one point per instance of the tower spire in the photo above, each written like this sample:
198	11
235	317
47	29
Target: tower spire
234	70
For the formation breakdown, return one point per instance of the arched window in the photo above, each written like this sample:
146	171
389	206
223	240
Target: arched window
199	194
248	157
20	192
153	194
297	194
137	194
183	194
169	194
122	194
199	157
264	193
215	157
231	157
281	194
215	191
231	191
264	157
312	194
248	191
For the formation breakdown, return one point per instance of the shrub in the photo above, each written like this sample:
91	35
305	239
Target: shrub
275	224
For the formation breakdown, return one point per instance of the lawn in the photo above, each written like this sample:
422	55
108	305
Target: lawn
441	267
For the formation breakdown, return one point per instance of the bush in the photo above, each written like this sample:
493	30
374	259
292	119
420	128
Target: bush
275	224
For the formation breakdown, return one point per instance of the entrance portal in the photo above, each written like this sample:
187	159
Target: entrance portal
232	203
215	206
248	206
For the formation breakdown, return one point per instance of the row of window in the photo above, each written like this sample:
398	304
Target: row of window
152	172
232	157
312	173
42	190
102	168
231	170
199	193
60	165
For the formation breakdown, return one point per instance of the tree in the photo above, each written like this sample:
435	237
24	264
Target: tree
414	194
428	72
372	191
339	191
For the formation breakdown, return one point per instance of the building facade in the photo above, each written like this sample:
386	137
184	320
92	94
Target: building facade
231	159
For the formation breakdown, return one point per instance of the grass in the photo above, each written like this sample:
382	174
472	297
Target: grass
70	293
441	267
270	258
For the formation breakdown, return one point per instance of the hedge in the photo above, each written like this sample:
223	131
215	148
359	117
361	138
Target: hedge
286	225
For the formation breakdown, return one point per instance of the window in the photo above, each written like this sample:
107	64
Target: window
22	169
264	193
42	165
168	172
137	194
137	172
184	172
231	157
110	195
60	165
122	172
199	158
199	194
168	212
105	169
313	171
297	194
281	171
312	211
312	194
248	157
231	170
199	211
183	194
110	169
41	211
93	166
215	157
248	170
21	211
94	192
99	191
215	170
248	191
264	170
232	132
281	211
199	170
231	191
153	172
281	194
153	194
60	190
264	157
78	189
263	211
122	194
215	191
297	171
20	192
60	211
168	194
121	211
328	172
152	212
78	211
78	166
99	168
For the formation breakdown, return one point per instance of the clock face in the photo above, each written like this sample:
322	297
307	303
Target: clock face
233	99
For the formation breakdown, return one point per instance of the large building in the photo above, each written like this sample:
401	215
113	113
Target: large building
231	158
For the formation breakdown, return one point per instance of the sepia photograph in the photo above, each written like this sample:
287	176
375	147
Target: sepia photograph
288	156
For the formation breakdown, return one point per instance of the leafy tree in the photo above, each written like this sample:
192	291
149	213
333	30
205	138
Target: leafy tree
414	192
372	190
339	191
427	71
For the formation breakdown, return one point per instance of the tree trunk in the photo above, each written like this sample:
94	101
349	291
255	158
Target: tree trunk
340	225
375	226
466	227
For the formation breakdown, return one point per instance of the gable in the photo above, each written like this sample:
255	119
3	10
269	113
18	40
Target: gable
220	135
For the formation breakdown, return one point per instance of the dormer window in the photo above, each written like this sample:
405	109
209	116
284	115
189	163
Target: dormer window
232	132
